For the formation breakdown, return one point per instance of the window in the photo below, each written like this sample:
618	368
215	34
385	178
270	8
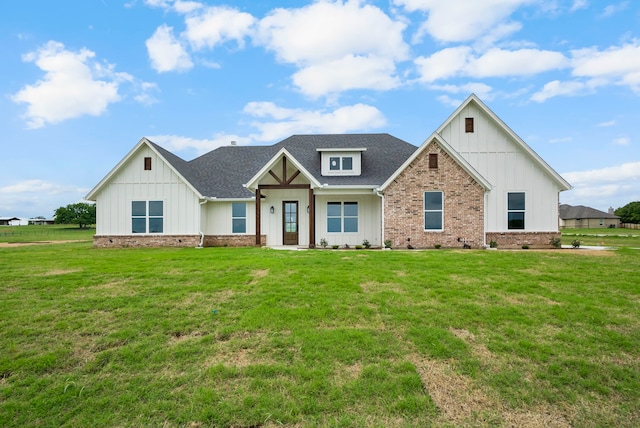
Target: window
515	210
347	163
334	163
468	124
341	164
239	217
147	217
433	211
433	161
147	164
342	217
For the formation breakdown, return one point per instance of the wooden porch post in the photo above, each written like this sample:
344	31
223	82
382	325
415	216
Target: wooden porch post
312	219
258	197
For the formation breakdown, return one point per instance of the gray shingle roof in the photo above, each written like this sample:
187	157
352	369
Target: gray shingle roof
567	212
222	172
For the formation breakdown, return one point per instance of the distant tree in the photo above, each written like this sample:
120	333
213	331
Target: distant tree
630	213
82	214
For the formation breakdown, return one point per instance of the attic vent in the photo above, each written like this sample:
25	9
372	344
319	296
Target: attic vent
147	164
468	124
433	161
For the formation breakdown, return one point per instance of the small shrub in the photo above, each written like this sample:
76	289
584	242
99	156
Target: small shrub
437	246
525	247
387	243
347	246
359	247
323	243
575	243
493	244
335	247
366	244
556	242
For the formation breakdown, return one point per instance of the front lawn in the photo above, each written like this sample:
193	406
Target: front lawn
259	337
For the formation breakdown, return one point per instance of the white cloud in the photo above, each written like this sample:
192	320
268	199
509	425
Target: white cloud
178	143
617	64
70	88
622	141
34	197
463	20
282	122
166	53
560	140
556	88
482	90
346	73
302	37
612	9
607	124
217	25
461	62
612	186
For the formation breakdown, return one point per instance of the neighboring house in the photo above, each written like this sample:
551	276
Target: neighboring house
9	221
585	217
471	182
41	221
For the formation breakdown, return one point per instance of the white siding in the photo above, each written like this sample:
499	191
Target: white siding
133	183
369	222
494	154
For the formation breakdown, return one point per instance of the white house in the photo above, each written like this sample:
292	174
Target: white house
471	182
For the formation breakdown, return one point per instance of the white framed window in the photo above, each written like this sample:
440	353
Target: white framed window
147	217
239	217
515	210
342	217
340	163
433	211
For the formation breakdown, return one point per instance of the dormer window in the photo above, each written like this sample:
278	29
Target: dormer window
344	163
338	161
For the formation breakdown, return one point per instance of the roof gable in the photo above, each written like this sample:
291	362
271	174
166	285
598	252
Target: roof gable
435	137
535	158
177	165
252	184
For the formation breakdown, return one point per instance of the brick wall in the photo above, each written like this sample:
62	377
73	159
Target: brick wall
518	239
463	204
104	241
232	240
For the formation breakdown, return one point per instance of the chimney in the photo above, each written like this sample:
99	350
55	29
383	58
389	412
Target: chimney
233	143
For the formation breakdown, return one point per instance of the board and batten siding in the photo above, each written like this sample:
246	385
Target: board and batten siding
494	154
133	183
369	219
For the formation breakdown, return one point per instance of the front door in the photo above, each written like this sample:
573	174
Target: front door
290	222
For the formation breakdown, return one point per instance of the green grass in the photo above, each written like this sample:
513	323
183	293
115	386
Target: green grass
53	232
257	337
602	237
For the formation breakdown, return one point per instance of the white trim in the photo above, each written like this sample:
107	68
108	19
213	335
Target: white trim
359	149
252	184
91	196
437	138
564	185
441	210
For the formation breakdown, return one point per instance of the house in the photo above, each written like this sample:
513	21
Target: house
586	217
41	221
471	182
9	221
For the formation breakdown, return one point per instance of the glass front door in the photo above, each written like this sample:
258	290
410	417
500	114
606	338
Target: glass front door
290	222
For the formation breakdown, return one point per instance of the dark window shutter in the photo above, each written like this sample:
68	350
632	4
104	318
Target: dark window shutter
433	160
468	124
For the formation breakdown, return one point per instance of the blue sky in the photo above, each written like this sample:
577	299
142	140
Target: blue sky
84	80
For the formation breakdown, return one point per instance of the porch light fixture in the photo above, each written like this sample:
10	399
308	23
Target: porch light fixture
272	210
307	209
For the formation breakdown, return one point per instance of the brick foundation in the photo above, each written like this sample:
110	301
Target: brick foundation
123	241
105	241
518	239
233	240
463	200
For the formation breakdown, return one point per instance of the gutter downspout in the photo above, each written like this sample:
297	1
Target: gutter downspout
204	201
382	216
